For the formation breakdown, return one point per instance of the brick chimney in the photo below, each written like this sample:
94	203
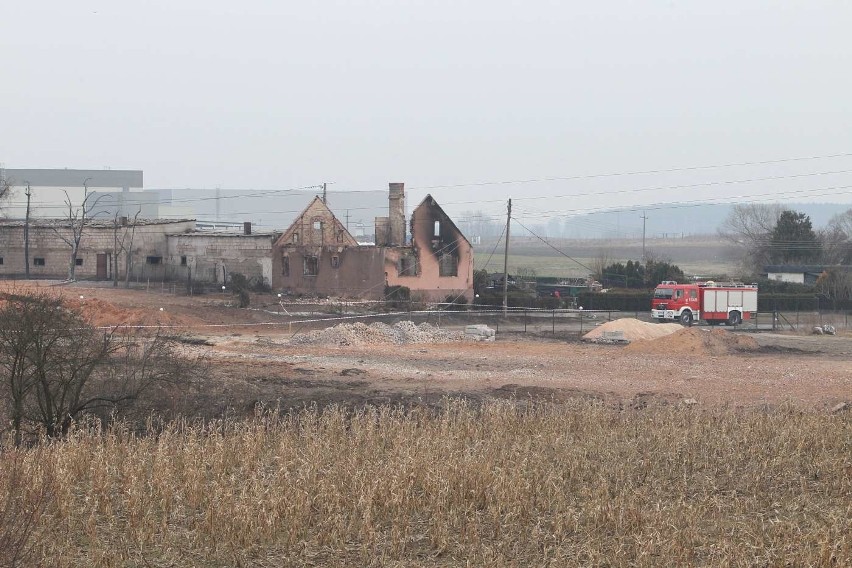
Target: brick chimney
247	228
396	213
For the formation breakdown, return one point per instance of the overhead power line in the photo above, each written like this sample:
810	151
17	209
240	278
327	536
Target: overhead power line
530	231
685	186
733	200
640	172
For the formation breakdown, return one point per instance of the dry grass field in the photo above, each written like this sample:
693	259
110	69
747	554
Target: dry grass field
500	484
527	451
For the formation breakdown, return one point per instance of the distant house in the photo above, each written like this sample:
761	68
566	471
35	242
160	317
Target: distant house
495	280
802	274
318	255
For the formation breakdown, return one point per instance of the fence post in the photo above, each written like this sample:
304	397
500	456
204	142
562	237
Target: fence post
553	321
525	320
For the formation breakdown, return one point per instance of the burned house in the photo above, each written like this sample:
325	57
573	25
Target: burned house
433	259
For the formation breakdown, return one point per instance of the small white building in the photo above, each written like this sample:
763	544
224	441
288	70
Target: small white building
794	274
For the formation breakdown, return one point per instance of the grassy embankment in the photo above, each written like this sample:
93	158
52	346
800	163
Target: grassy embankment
575	484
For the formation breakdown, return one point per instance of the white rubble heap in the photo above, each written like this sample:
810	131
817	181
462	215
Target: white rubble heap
479	332
376	333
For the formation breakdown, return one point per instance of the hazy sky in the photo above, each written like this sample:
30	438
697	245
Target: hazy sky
281	94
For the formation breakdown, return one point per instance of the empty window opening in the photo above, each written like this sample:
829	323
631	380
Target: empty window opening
295	238
448	265
1	260
311	266
285	266
407	266
154	260
339	236
78	261
437	231
335	262
183	260
317	225
38	261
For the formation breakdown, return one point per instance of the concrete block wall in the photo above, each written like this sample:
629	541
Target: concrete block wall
149	240
213	257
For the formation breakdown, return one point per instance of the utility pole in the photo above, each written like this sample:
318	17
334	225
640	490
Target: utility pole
644	258
323	194
506	262
347	219
27	235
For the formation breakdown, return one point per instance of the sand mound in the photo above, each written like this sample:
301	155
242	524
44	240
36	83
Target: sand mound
378	332
631	329
699	341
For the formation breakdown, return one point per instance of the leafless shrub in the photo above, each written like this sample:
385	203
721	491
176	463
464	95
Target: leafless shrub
58	368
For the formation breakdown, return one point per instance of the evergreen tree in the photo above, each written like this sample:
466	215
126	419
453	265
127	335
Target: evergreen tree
794	240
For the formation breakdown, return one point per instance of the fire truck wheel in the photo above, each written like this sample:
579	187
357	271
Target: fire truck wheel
734	318
686	318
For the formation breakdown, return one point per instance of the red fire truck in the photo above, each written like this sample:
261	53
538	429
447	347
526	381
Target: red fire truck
730	303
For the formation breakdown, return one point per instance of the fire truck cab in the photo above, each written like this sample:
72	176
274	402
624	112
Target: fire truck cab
728	303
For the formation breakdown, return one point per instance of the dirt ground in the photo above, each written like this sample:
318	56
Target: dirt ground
252	360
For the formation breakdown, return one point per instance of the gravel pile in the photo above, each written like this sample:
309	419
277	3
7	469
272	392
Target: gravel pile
376	333
630	329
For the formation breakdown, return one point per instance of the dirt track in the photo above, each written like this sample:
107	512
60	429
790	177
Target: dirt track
257	364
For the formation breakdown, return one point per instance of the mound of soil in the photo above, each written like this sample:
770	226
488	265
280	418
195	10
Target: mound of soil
101	314
698	341
631	329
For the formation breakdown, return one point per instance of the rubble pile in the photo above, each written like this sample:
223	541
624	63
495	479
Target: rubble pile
479	332
825	330
377	333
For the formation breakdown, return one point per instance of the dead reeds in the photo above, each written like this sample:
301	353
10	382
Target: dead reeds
497	484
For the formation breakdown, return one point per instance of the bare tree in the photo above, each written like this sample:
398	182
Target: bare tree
57	367
836	239
122	244
599	264
749	228
77	218
5	191
5	188
128	251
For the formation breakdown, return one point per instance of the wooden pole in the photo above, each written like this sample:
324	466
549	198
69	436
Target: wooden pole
506	263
